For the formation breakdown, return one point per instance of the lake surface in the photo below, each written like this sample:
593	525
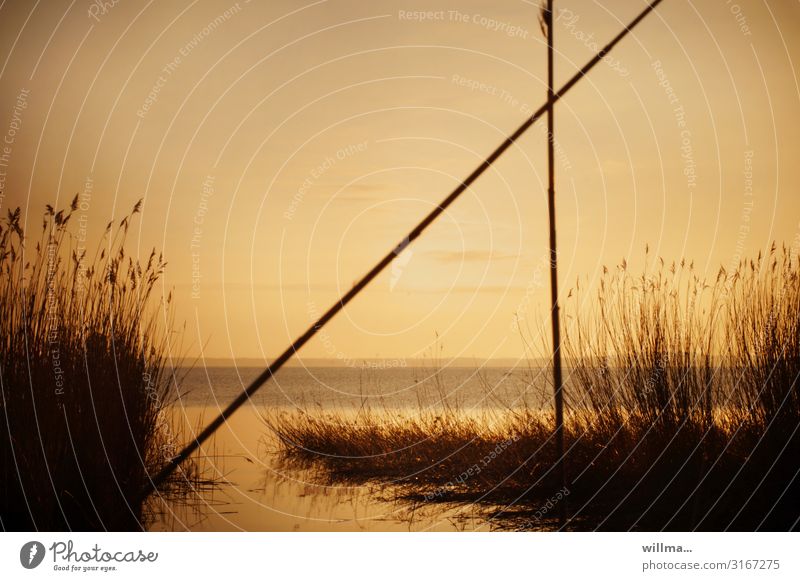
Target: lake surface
346	387
257	493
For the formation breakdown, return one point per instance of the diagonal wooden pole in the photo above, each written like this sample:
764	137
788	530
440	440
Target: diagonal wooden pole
265	375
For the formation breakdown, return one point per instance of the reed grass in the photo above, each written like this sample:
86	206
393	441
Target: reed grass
682	414
84	373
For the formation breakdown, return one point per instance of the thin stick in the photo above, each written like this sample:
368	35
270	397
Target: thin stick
558	384
159	478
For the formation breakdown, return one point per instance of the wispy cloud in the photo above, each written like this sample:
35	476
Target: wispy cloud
471	289
447	256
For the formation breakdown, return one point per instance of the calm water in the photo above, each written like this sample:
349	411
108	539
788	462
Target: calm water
345	387
258	494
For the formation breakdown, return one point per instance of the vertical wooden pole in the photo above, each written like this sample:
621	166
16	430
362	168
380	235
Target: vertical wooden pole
558	385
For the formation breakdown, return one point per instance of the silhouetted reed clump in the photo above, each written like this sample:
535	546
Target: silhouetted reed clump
83	376
682	414
694	385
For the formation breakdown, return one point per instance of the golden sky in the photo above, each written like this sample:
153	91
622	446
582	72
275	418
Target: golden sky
282	147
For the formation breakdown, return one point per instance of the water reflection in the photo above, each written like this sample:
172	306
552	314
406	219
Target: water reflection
256	492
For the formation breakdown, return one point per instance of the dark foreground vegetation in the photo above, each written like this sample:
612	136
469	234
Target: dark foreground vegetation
683	414
83	375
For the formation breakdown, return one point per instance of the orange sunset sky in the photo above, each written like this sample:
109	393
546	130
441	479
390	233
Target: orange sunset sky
282	147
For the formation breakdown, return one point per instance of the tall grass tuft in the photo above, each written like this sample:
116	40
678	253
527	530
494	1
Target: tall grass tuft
694	382
646	347
83	373
763	337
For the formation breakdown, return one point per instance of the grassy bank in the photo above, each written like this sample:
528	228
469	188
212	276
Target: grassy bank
83	373
683	414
